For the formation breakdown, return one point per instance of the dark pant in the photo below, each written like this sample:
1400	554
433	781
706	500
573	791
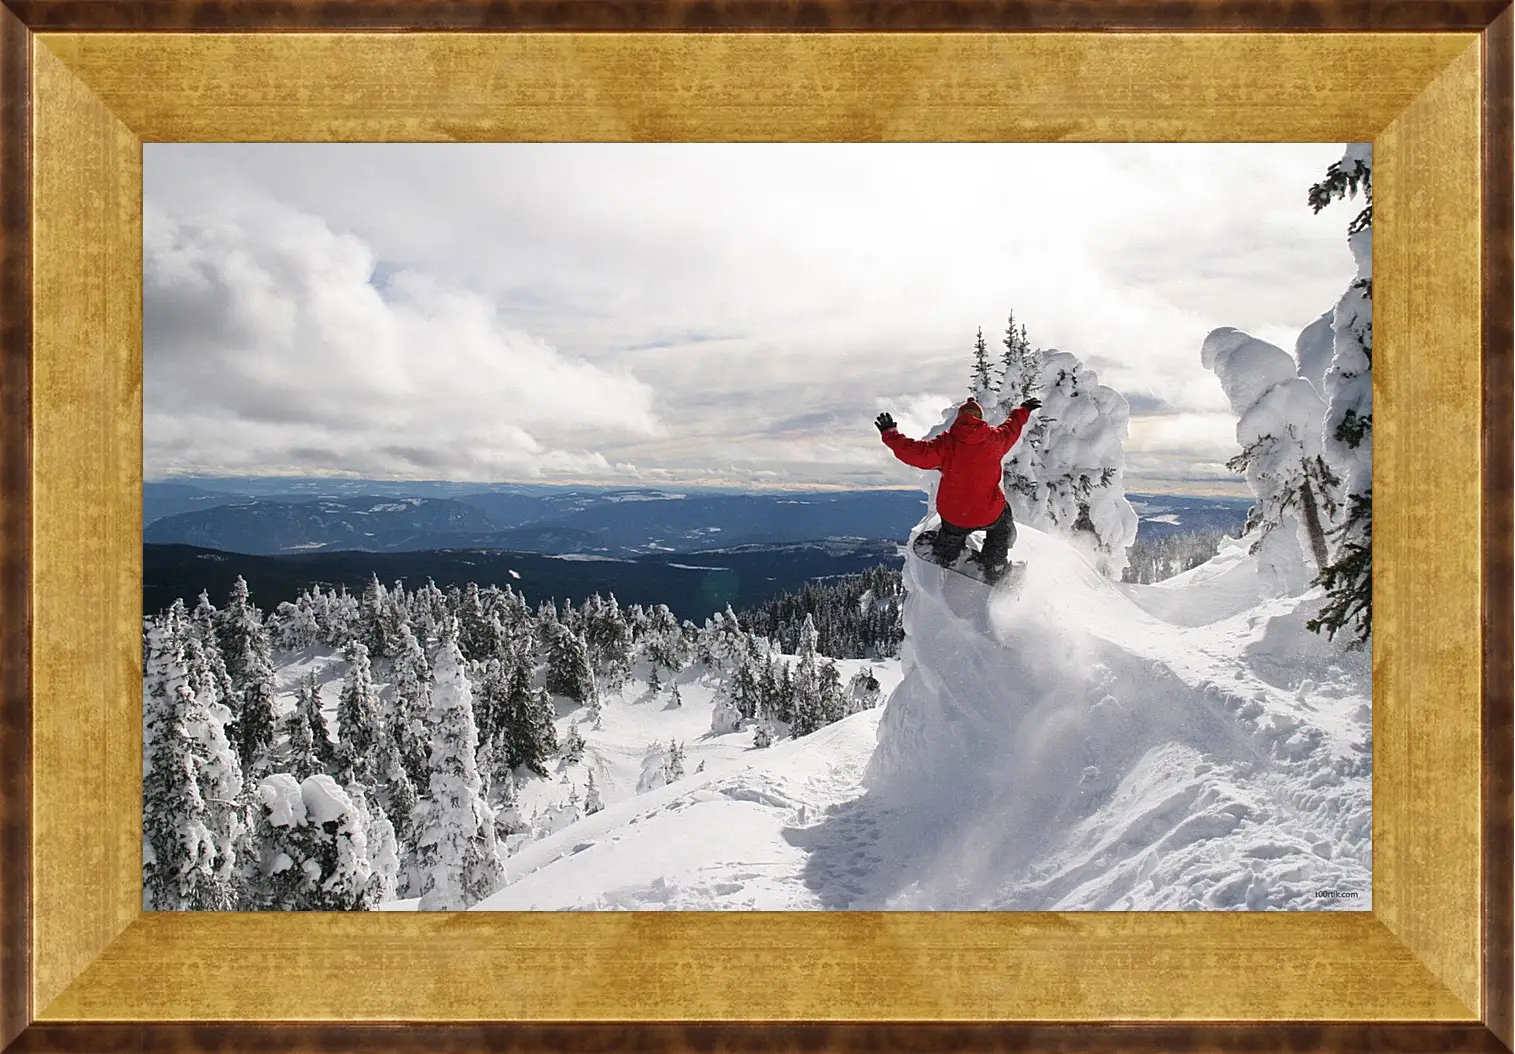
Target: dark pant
999	536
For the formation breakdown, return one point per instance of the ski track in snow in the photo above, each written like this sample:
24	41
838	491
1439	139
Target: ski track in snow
1074	744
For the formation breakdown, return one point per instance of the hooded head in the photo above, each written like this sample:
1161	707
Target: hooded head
971	408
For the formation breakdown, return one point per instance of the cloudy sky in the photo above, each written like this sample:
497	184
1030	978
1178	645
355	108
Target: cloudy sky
716	313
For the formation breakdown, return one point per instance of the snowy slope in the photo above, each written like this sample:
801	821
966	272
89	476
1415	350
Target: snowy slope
1081	745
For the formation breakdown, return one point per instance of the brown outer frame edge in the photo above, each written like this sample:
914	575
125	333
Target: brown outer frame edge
738	1038
758	15
1498	528
20	18
15	526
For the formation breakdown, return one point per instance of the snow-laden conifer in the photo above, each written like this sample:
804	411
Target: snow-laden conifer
1278	427
459	859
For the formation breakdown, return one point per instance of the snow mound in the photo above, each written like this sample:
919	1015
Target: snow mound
1059	746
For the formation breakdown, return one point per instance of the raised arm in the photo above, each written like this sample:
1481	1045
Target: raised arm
912	452
1010	431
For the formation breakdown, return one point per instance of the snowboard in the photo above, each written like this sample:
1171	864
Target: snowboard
970	564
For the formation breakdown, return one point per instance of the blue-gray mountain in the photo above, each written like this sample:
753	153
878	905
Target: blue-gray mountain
607	522
382	517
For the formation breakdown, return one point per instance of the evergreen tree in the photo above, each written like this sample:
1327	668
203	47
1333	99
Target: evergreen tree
529	733
410	703
383	848
1066	474
808	712
373	619
209	672
255	726
746	693
1278	425
244	649
862	691
398	797
593	803
183	868
573	746
323	752
1348	429
568	671
981	380
293	626
314	847
673	765
607	637
359	722
833	703
1020	368
459	859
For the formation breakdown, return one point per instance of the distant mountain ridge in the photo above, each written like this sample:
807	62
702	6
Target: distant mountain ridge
612	521
621	522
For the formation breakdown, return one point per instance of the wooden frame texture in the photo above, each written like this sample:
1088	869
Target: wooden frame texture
83	83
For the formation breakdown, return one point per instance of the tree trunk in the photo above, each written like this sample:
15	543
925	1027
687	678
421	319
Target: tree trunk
1312	525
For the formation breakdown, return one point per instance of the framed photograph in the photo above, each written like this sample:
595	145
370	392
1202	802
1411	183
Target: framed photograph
302	306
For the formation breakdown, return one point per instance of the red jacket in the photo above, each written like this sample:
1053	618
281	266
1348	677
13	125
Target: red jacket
969	455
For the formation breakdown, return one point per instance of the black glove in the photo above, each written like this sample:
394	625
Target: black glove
884	422
1032	403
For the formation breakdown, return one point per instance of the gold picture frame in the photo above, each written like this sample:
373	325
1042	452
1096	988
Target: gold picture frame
85	84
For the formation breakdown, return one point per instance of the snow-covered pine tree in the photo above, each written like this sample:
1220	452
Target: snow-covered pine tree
179	847
528	731
314	848
491	696
673	765
608	638
725	716
1067	473
397	795
745	689
281	882
383	848
1278	425
807	704
293	626
1020	370
573	746
209	672
226	794
982	379
674	698
459	860
475	636
410	702
833	701
1348	439
373	619
863	691
359	720
568	672
428	611
593	802
244	648
320	753
254	728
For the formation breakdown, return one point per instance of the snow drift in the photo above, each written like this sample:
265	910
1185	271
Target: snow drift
1067	748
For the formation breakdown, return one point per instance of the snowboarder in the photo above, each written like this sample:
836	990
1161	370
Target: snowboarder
969	497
